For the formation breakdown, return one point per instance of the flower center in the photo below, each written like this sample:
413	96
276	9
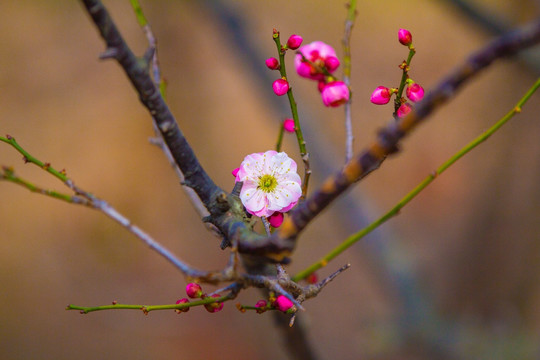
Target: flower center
267	183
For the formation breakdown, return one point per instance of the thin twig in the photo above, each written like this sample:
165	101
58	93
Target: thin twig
294	111
349	23
137	71
160	84
83	197
389	137
420	187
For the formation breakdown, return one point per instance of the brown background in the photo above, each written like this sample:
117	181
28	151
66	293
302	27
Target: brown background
466	251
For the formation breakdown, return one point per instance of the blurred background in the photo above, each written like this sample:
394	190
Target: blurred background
454	276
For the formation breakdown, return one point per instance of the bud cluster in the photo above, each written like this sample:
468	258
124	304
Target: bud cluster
382	94
281	303
317	61
194	291
281	85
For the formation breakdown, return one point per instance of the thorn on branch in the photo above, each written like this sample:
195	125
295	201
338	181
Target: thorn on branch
148	55
109	53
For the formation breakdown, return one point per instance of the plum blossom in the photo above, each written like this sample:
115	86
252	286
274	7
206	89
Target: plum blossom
214	307
381	95
261	306
318	53
282	303
280	86
404	109
335	94
272	63
405	37
276	219
288	125
415	92
294	42
182	301
194	290
270	183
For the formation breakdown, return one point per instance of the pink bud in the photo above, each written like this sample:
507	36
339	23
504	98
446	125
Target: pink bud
288	125
415	92
312	278
194	290
182	301
272	63
261	306
403	110
214	307
294	42
276	219
331	63
235	172
282	303
320	85
335	94
405	37
280	86
380	96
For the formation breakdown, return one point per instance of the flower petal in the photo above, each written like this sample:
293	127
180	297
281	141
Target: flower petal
253	199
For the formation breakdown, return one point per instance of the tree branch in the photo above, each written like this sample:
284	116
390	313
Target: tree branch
137	70
282	242
226	210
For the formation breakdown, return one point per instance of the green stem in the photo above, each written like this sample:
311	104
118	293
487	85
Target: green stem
141	19
148	308
280	138
412	194
404	77
294	111
9	175
30	159
349	23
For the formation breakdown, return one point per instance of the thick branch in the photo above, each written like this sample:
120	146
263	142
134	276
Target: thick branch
137	71
283	241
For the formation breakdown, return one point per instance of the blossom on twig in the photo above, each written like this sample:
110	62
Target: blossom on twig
335	94
270	183
320	55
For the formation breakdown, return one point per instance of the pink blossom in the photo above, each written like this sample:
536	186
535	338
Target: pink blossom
194	290
270	183
405	37
276	219
415	92
272	63
214	307
288	125
294	42
282	303
317	52
403	110
280	86
335	94
380	96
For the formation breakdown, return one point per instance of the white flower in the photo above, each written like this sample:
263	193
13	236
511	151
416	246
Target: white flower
270	183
